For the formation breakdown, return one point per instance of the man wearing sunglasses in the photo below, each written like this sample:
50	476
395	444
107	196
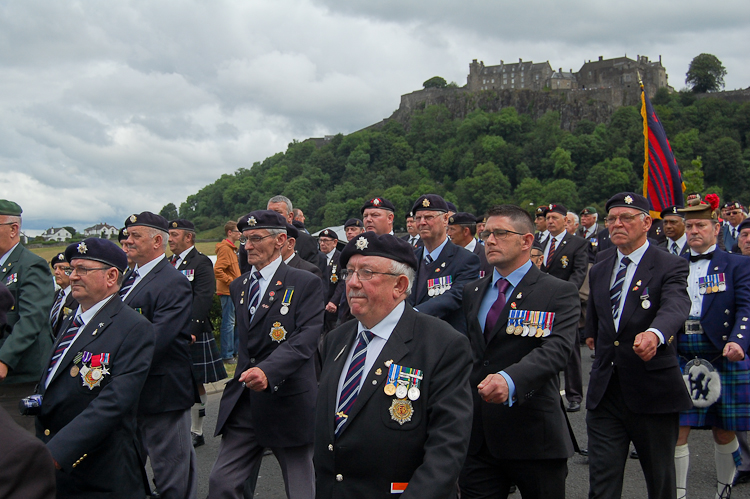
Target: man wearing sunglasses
735	213
64	301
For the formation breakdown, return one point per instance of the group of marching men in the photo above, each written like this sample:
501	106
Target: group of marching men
421	366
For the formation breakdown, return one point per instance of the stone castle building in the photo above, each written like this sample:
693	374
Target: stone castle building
619	73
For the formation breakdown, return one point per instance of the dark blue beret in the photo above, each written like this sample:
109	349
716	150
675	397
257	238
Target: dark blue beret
6	303
261	219
481	219
734	205
745	224
58	258
672	210
381	203
148	219
298	224
628	200
329	233
353	222
451	207
557	208
430	202
462	218
291	231
122	235
182	224
537	246
542	211
99	250
387	246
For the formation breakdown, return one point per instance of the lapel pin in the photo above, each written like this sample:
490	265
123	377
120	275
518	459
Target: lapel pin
476	289
101	324
245	281
94	333
513	305
519	296
388	363
638	283
378	372
264	305
443	265
716	268
278	283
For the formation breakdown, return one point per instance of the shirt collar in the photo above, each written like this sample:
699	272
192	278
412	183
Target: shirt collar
680	242
148	267
472	244
635	256
5	256
514	277
90	313
384	328
185	253
290	258
435	254
330	255
269	270
709	250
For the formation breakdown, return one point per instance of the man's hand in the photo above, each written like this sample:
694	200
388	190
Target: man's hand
590	343
255	379
330	307
3	371
494	389
192	339
733	352
645	345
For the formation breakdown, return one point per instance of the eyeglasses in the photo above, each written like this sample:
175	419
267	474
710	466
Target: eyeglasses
9	223
253	239
82	271
426	218
729	213
625	218
498	233
362	274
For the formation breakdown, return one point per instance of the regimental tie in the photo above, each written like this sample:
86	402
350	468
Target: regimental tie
55	313
65	341
174	259
497	308
254	294
675	249
551	253
350	390
128	284
616	292
428	259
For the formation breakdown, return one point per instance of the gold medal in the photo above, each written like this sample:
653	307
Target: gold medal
74	371
390	390
510	329
715	289
539	332
518	330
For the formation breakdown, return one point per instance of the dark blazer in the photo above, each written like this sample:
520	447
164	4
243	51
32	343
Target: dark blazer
651	387
462	266
165	298
538	238
534	427
570	261
283	414
418	244
665	246
26	467
592	239
725	316
603	241
307	247
203	285
25	347
91	433
727	242
298	263
484	266
70	305
373	450
334	289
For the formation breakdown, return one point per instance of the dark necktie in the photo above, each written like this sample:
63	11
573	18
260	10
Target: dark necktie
616	292
55	314
128	284
65	341
350	389
734	233
174	260
254	294
497	308
428	259
675	249
705	256
551	253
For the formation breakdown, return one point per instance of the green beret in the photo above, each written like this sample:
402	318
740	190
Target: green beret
10	208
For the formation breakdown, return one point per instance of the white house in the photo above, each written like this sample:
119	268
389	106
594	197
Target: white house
101	230
56	234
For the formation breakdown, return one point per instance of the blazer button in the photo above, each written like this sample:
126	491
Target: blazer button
339	478
252	359
617	343
486	363
330	447
46	432
724	338
726	324
276	388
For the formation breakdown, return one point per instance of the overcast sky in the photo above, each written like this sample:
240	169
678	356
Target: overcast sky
111	108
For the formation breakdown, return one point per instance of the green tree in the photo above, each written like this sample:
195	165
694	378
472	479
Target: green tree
71	230
692	176
608	178
435	82
705	74
169	211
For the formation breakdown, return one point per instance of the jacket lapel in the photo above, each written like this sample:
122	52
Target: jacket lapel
147	278
633	294
524	290
479	291
10	264
341	353
277	282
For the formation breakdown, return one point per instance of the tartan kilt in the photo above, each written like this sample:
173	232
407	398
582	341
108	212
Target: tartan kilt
732	410
207	364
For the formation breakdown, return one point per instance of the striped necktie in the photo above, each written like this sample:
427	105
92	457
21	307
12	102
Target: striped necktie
254	294
551	253
174	260
675	249
616	292
55	313
65	342
128	284
428	260
350	390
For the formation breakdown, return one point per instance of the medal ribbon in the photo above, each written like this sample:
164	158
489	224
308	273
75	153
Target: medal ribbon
288	292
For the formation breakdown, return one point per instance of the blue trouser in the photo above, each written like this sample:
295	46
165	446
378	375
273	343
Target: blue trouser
230	341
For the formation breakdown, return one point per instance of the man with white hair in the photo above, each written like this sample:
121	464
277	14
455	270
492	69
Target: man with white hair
571	223
589	230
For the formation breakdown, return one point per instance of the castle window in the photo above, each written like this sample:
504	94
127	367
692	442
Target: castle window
493	80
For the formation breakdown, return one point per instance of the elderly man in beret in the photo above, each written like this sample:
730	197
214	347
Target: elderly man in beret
377	215
28	335
271	401
394	406
64	301
412	236
462	227
353	227
637	307
328	239
93	379
160	293
443	267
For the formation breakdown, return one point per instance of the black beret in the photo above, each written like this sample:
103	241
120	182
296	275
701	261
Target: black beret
462	218
182	224
628	200
557	208
353	222
451	207
58	258
745	224
537	246
6	303
430	202
98	250
122	235
542	211
387	246
148	219
481	219
9	208
291	231
261	219
298	224
672	210
329	233
381	203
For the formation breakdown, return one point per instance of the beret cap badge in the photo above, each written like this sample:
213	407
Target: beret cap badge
628	199
376	201
361	243
82	248
426	203
251	221
174	224
133	218
61	256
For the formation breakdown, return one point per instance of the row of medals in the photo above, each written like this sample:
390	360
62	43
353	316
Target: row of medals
707	290
528	329
401	391
438	289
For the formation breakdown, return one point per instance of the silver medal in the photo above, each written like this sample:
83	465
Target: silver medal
401	391
413	393
284	310
646	304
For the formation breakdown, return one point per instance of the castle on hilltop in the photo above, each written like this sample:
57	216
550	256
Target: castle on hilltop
619	73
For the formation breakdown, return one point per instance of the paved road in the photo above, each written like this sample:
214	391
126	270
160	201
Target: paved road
701	481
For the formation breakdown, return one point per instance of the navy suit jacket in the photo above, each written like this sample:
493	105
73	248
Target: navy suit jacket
203	285
91	433
485	268
570	261
70	304
462	266
725	316
283	414
165	298
684	251
299	263
726	238
651	387
534	427
373	450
